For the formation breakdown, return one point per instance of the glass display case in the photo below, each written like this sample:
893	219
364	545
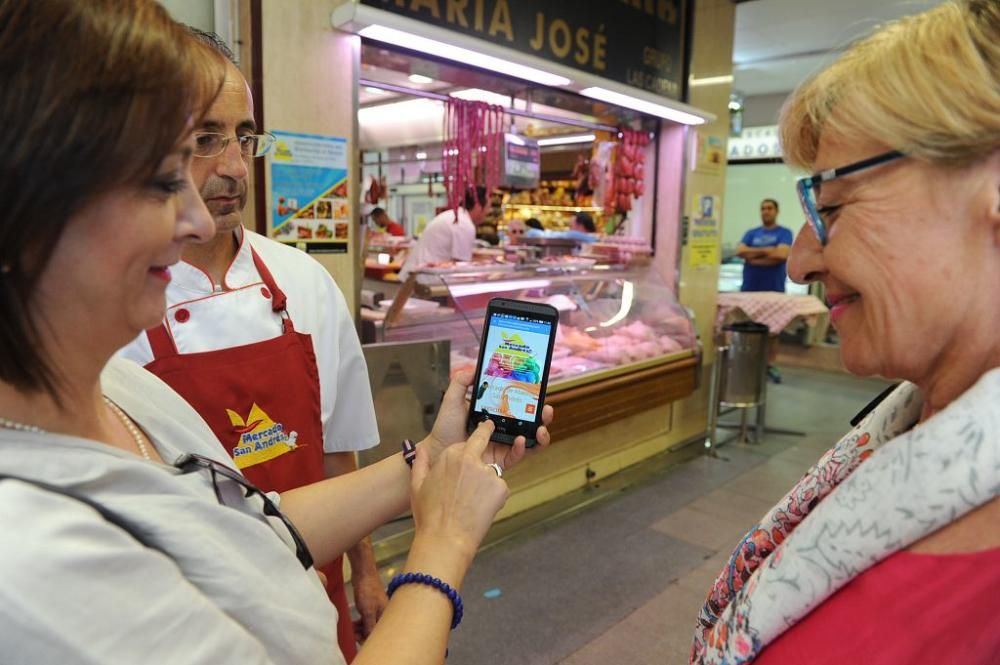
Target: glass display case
384	255
614	320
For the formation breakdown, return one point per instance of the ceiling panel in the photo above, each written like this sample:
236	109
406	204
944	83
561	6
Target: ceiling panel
778	43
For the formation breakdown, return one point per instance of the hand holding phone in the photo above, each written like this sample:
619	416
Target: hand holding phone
512	372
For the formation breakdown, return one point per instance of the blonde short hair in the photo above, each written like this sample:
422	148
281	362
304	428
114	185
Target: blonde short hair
928	85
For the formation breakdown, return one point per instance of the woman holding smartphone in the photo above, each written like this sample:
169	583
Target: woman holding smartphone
127	534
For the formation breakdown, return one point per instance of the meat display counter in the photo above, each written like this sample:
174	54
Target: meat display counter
624	344
626	356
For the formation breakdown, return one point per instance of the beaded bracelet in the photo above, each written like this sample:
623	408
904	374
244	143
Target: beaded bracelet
409	452
440	585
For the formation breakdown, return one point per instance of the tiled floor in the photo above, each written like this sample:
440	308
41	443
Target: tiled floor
621	582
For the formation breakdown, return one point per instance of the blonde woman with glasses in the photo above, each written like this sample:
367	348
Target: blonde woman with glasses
888	549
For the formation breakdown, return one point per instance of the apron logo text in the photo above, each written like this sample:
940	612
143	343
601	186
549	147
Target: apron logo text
260	438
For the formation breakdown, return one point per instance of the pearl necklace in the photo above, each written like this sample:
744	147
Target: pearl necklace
130	426
125	420
20	427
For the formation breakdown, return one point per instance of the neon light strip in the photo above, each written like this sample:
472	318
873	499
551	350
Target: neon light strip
565	140
642	105
447	51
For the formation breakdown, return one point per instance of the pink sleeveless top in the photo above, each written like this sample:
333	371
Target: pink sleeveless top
909	608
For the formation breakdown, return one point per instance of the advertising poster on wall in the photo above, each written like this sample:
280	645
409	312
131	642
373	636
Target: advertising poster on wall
310	205
710	153
703	232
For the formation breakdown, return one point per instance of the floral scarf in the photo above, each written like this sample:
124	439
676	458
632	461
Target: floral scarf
915	480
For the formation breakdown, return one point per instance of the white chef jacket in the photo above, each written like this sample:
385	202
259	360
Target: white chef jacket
443	239
199	321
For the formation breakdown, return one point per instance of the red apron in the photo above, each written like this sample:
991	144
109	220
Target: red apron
263	402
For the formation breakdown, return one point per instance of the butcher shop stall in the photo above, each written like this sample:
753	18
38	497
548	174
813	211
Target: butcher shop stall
627	354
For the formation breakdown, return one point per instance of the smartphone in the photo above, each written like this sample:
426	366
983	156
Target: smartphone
513	368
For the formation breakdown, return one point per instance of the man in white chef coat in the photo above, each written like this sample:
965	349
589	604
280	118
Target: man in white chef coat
449	237
258	338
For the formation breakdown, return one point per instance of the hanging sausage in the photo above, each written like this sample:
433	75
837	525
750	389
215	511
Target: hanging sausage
473	139
626	179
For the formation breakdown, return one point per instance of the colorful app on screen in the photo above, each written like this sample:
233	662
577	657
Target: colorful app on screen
513	367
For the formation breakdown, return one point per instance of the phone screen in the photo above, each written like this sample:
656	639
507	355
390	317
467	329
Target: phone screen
513	368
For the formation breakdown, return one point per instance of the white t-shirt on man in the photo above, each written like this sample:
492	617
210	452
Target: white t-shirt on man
444	239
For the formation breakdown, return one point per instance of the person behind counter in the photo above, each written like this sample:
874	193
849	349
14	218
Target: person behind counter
128	535
582	228
583	223
381	219
533	229
578	230
513	232
888	550
449	236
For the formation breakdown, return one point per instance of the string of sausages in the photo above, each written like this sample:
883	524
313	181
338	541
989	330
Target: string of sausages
471	152
625	180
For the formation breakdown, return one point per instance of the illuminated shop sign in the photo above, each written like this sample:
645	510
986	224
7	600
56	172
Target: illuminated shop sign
754	143
636	42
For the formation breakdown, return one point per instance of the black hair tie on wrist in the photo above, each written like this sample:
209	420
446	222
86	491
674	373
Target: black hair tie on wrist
409	452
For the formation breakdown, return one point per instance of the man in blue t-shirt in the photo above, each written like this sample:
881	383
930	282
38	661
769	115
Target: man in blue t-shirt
764	251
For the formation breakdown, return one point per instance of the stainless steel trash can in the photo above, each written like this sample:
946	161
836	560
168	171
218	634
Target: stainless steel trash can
744	364
739	377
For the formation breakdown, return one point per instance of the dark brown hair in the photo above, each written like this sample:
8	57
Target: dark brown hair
475	195
93	95
586	221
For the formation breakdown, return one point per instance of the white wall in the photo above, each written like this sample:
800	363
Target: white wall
746	186
197	13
